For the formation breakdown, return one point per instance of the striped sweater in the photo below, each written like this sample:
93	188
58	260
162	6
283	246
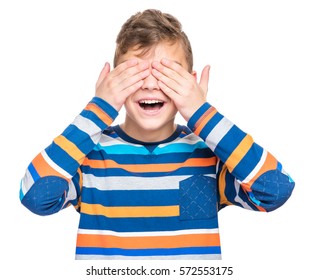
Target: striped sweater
152	200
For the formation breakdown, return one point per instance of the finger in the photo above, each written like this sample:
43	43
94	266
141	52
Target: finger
131	81
169	92
204	79
127	74
131	71
131	89
165	71
176	69
124	65
168	81
103	74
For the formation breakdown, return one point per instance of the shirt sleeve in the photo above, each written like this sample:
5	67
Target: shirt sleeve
247	174
53	179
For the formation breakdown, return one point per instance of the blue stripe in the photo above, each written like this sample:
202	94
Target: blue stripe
180	148
210	125
140	224
122	149
94	118
62	158
197	115
230	192
104	172
248	162
141	150
73	133
149	252
151	158
21	194
35	175
131	198
230	141
105	106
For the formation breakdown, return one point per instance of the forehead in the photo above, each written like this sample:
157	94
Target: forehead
173	51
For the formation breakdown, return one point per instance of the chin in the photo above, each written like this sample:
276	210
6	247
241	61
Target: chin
155	125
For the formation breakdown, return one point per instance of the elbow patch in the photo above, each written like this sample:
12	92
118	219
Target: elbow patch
46	196
272	189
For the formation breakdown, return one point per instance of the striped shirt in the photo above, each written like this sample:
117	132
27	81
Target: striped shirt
152	200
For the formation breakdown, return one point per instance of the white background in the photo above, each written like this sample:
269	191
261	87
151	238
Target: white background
264	78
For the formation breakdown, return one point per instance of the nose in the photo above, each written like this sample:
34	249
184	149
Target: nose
150	83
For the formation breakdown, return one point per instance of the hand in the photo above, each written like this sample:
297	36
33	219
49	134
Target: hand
181	86
115	86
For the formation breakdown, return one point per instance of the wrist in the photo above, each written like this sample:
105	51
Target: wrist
198	116
102	110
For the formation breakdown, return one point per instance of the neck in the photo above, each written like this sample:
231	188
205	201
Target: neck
149	135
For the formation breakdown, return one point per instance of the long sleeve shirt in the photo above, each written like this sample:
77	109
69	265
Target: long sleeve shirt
160	200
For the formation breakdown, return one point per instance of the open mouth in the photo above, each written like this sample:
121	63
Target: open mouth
151	104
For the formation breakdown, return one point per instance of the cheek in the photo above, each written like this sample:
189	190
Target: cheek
173	109
131	106
129	101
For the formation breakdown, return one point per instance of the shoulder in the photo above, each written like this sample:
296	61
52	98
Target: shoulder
186	135
110	131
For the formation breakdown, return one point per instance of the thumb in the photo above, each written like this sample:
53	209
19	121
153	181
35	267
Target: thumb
103	74
204	79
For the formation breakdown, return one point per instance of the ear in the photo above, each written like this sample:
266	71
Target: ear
194	74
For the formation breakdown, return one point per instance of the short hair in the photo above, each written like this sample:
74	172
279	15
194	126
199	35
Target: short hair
148	28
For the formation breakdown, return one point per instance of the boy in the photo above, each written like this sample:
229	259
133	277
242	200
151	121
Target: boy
150	188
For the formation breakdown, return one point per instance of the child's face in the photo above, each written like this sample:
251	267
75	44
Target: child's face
149	109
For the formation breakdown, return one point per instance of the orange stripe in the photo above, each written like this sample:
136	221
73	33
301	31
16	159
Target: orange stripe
79	201
204	120
44	169
130	211
100	113
239	152
222	186
269	164
146	242
69	147
160	167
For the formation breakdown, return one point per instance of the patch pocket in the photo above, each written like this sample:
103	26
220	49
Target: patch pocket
198	198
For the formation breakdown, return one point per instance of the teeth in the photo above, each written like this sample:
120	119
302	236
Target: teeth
150	101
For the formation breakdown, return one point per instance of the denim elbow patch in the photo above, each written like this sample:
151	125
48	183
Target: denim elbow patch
272	189
198	198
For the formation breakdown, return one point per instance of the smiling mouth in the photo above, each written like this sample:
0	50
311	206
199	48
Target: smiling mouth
151	104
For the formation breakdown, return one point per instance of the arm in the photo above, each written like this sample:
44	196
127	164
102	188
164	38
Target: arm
53	180
248	175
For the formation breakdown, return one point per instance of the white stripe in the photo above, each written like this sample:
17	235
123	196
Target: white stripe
71	194
256	168
237	198
88	127
189	139
106	141
149	233
134	183
218	132
55	166
26	182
